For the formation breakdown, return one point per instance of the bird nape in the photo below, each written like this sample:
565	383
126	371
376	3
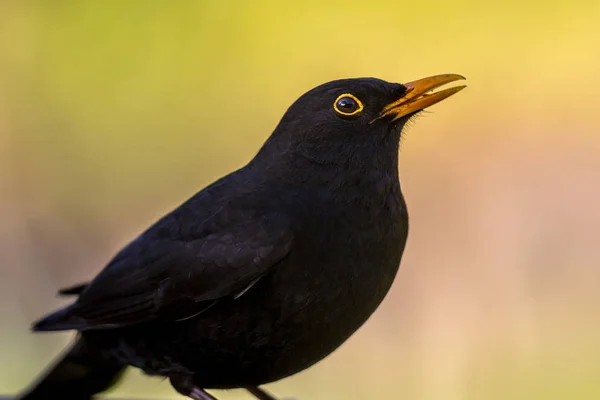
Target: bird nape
264	272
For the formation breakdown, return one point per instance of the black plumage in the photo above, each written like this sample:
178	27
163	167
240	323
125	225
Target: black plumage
267	270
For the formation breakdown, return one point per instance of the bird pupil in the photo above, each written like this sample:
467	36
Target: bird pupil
347	104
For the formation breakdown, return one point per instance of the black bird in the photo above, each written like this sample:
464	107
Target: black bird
266	271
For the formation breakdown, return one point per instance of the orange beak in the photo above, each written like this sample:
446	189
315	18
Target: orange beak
417	98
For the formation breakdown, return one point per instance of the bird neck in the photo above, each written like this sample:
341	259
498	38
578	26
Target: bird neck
370	181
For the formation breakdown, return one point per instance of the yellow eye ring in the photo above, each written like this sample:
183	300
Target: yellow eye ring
349	102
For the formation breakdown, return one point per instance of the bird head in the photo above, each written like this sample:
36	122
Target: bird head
355	120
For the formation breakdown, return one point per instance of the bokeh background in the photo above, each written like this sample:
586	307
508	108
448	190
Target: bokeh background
113	113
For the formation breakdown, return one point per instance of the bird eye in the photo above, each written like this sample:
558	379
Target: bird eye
347	104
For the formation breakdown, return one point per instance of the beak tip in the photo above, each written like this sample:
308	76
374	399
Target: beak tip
455	77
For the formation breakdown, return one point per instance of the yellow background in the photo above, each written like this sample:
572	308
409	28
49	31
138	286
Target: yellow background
112	113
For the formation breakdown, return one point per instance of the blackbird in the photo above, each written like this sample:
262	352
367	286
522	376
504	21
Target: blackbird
264	272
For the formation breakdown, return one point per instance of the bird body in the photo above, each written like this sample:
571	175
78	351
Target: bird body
299	312
266	271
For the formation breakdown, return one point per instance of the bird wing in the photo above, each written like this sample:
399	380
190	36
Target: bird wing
166	279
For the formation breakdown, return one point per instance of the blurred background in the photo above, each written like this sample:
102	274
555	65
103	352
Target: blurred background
113	113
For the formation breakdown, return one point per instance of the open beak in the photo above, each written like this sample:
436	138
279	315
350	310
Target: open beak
417	96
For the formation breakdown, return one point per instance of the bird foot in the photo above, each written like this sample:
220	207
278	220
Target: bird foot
184	384
262	394
199	394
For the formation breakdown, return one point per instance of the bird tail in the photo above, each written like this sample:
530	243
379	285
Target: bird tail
79	374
